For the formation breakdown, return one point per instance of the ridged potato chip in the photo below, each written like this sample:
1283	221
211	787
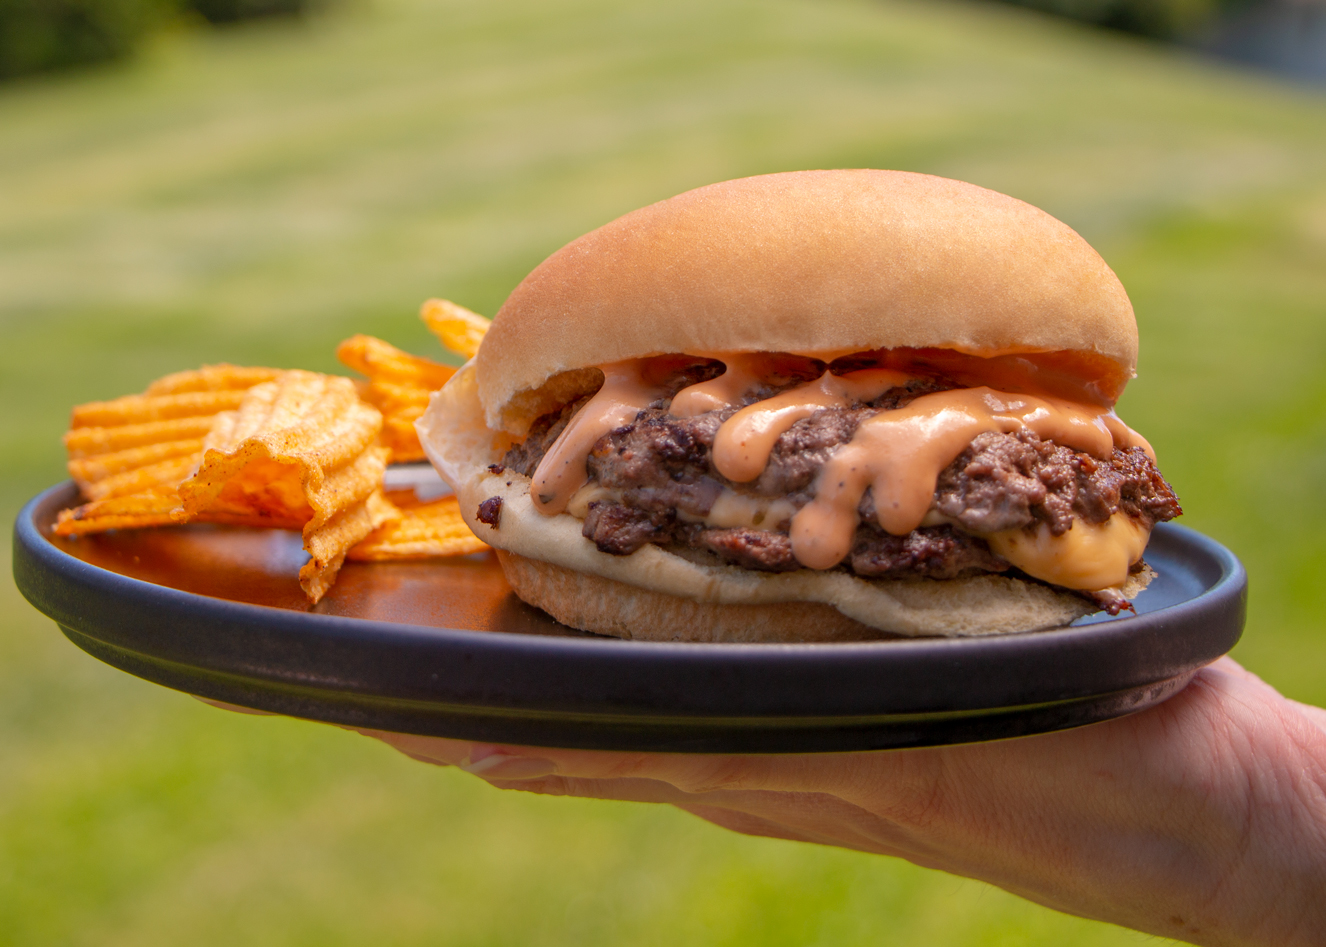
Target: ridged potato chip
139	409
139	448
425	529
86	442
147	478
400	437
382	361
299	452
131	512
456	327
329	545
398	385
212	378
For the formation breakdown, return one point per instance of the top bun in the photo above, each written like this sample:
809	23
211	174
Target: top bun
819	263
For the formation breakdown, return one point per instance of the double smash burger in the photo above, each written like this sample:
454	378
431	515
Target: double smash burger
822	405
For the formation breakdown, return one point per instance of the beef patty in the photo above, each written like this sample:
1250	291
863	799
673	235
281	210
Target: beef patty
664	484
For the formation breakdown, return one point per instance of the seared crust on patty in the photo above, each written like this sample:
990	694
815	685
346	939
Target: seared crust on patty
1007	481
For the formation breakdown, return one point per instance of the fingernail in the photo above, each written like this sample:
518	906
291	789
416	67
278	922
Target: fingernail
502	766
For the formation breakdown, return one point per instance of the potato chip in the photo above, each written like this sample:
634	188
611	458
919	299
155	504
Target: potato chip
400	397
129	512
401	439
91	441
382	361
147	444
137	409
212	378
164	475
299	452
399	385
425	530
328	546
459	330
261	447
101	472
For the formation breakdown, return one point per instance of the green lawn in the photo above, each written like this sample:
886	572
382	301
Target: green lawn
255	195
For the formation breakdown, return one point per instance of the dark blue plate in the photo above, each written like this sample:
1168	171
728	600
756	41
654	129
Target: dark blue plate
444	648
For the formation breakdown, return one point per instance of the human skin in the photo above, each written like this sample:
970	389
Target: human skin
1202	819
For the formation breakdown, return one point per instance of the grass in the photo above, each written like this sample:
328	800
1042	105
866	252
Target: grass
257	194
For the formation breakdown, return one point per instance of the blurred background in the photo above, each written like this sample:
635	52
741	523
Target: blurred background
191	181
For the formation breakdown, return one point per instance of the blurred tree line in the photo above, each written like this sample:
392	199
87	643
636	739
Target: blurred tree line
39	35
1163	19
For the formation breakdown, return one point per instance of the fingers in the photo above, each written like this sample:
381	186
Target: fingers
436	750
846	774
689	773
1116	821
744	822
899	787
817	818
1316	716
810	817
769	792
1228	669
619	790
978	794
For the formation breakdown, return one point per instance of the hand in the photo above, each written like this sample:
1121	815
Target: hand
1202	819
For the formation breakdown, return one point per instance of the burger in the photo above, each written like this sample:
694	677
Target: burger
811	406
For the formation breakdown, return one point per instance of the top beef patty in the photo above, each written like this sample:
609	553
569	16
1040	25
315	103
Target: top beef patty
660	483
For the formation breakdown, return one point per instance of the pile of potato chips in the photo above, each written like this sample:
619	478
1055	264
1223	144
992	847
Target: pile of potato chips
281	449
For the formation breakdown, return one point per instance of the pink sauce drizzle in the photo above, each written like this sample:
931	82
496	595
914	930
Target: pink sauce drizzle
562	471
744	442
899	455
741	373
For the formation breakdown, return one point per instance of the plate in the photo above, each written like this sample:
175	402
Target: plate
444	648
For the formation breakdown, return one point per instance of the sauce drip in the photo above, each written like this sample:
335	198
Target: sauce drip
741	373
1125	436
627	390
899	454
745	440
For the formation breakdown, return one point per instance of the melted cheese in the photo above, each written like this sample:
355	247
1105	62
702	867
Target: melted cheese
578	505
741	509
729	509
1088	556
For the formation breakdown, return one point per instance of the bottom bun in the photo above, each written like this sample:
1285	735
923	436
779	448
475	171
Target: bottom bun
607	607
